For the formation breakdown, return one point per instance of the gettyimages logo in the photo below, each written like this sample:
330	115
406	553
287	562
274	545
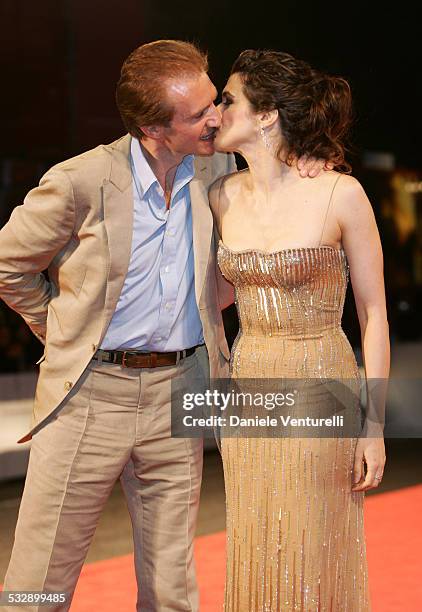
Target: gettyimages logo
219	399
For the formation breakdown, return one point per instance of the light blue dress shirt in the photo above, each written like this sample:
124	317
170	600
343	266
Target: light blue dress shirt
157	309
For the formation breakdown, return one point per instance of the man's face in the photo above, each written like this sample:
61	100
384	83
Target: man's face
196	119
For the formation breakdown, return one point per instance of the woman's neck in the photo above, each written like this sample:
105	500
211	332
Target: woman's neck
266	172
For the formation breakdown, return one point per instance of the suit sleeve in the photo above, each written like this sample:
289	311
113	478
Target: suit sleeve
224	288
36	231
231	163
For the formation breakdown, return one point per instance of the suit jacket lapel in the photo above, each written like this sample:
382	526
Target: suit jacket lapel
202	223
118	220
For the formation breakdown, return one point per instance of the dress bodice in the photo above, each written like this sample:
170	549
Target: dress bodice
296	292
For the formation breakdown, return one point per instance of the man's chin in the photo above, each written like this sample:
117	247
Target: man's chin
206	147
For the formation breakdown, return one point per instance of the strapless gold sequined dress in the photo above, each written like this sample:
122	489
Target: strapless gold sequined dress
295	532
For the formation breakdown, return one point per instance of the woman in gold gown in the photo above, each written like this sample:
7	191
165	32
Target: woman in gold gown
295	531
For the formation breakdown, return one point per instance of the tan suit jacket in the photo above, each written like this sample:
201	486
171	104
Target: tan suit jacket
78	224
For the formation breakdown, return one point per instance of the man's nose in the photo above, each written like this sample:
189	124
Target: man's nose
214	119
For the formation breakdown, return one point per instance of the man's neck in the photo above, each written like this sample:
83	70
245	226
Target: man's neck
162	162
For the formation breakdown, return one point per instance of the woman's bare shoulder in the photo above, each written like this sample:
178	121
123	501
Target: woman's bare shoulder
344	184
225	188
350	200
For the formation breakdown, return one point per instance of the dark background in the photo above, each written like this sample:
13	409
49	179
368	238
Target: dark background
60	61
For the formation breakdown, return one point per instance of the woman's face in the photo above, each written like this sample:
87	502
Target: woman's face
239	124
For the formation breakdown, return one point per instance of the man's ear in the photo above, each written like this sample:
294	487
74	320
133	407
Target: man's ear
152	131
268	119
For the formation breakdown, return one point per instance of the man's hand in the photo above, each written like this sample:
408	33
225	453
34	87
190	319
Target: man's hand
310	166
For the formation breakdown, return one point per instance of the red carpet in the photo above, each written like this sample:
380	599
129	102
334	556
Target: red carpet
394	543
394	549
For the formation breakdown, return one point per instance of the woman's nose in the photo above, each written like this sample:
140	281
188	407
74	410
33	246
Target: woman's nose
216	115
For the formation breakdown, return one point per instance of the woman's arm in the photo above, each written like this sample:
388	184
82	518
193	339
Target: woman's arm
362	245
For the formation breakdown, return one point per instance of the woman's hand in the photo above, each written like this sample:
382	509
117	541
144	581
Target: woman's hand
372	452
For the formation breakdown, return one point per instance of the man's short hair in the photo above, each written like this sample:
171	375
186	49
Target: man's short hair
141	91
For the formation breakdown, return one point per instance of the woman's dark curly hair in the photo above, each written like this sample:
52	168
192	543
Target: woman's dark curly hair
315	109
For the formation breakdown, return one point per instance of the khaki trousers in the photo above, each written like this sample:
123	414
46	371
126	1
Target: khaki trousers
114	423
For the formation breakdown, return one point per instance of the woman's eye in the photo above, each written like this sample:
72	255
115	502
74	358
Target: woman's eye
226	102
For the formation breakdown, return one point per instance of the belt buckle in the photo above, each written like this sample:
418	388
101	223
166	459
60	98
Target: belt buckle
130	354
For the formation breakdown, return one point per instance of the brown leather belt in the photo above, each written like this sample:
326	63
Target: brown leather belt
139	359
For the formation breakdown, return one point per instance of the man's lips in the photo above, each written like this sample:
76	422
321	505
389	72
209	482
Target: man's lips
209	136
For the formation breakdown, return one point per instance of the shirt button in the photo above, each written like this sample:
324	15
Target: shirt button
170	232
159	338
167	306
166	269
68	385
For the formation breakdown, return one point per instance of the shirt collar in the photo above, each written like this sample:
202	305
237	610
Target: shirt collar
146	176
184	174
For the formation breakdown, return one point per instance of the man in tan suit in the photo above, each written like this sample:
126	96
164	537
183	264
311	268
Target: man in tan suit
132	302
126	234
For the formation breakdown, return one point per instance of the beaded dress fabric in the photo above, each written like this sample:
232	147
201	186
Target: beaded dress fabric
295	529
